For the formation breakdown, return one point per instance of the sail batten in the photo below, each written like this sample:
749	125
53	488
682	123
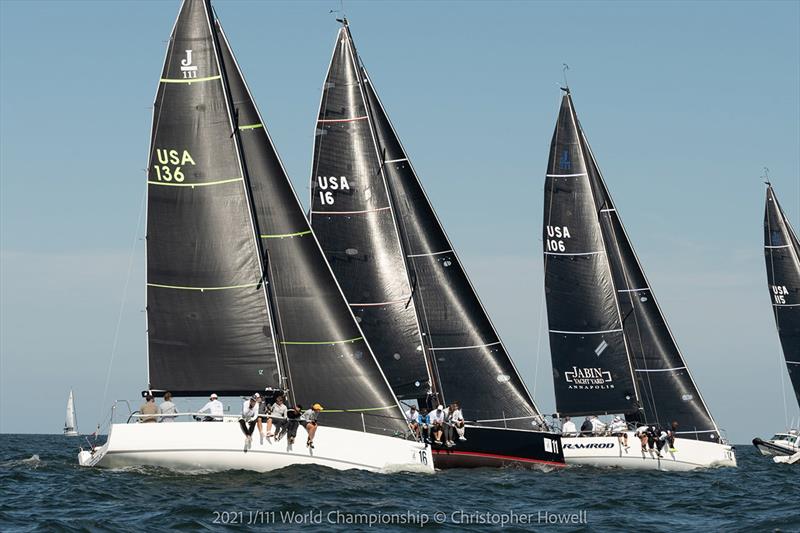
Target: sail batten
782	255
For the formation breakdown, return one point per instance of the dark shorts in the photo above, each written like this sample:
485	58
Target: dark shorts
307	423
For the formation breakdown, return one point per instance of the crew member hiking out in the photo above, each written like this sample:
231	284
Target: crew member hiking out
309	421
248	420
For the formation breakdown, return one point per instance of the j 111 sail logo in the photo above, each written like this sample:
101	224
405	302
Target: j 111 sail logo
554	242
188	70
779	294
589	378
327	184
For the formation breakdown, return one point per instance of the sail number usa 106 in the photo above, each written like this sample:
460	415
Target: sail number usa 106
327	184
555	238
170	164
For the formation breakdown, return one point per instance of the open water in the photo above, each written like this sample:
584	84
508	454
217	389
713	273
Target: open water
43	489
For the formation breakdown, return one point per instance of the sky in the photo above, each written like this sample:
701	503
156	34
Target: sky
684	103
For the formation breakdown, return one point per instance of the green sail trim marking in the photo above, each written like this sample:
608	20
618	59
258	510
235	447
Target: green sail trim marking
201	289
359	410
282	235
251	126
319	343
192	80
204	184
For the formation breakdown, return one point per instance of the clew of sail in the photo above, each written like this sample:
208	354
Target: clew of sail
782	254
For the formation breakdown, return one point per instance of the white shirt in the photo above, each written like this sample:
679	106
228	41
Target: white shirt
569	428
456	416
168	408
279	410
214	408
618	426
597	425
249	412
412	415
437	416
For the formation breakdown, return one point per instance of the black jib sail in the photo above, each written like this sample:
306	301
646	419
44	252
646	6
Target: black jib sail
304	325
395	262
782	253
664	386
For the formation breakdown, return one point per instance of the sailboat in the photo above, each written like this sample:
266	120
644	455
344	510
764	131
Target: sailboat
782	254
405	282
70	424
240	298
611	348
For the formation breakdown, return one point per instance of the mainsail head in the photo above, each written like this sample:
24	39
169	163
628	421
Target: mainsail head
782	254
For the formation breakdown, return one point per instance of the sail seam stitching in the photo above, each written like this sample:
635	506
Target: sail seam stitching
466	347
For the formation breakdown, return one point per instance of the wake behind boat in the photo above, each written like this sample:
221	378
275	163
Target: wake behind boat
239	296
611	348
782	254
406	284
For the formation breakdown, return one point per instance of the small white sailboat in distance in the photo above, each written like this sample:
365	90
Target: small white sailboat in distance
70	425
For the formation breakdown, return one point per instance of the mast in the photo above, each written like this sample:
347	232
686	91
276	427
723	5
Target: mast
782	254
592	372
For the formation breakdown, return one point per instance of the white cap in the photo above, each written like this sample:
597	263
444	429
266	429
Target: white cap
213	396
256	396
440	407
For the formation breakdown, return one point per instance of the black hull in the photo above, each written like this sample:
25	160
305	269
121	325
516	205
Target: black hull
498	447
768	448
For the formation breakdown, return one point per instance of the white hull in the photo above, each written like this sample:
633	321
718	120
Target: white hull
217	446
70	433
609	452
789	459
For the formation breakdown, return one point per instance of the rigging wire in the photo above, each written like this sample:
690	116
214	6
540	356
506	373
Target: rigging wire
122	302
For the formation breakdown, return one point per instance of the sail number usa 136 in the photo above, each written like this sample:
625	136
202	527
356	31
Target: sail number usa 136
170	164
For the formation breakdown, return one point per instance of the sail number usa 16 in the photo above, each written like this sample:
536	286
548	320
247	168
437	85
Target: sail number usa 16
328	184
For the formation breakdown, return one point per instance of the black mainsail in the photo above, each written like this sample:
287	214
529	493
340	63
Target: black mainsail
782	254
240	296
395	262
612	281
